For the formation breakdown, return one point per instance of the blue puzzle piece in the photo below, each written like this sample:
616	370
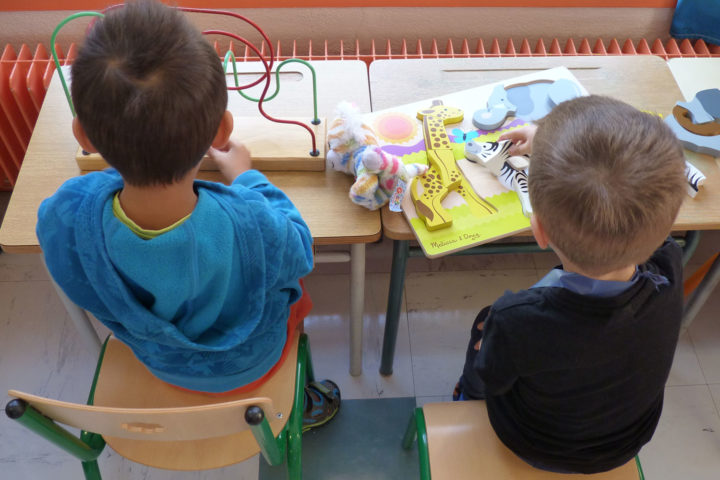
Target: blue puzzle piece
709	145
498	109
710	100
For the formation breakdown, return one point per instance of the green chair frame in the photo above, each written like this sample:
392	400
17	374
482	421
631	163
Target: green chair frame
417	429
89	445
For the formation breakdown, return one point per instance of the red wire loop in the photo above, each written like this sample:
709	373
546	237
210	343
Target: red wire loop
268	65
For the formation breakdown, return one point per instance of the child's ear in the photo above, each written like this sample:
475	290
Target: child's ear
222	137
81	137
539	232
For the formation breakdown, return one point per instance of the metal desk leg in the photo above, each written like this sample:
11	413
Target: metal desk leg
701	294
81	321
357	304
401	251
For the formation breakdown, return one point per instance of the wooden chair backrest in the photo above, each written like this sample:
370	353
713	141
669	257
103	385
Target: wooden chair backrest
462	445
131	403
161	424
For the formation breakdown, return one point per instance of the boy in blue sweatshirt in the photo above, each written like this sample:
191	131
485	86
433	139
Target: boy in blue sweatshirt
200	279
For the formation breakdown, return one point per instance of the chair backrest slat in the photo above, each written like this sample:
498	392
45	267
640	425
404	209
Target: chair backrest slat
161	424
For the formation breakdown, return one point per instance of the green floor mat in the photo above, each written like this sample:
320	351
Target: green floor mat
363	442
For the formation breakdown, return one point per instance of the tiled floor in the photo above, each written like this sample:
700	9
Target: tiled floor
40	352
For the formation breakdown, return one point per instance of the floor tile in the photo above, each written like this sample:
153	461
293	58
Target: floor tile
685	368
506	261
715	390
546	261
42	353
441	309
708	246
328	330
686	443
22	268
363	442
705	334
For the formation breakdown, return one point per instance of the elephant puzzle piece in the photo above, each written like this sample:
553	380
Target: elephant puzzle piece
696	122
498	109
528	101
443	175
511	171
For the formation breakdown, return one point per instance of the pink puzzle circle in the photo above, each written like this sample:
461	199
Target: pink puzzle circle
396	127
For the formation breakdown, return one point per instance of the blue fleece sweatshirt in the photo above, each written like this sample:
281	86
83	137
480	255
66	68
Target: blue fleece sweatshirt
205	305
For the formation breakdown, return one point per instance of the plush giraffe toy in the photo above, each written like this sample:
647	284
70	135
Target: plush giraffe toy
354	149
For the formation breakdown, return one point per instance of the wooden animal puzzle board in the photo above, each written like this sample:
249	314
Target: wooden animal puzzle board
400	132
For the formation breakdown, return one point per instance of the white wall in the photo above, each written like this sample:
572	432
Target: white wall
395	24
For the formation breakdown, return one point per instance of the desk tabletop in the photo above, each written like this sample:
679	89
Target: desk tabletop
695	74
321	197
645	82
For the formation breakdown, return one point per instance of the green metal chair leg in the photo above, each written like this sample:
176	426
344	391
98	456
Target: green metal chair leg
273	449
641	475
410	433
416	428
86	449
294	436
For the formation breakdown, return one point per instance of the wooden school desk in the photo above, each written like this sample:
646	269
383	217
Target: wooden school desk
642	81
321	197
693	75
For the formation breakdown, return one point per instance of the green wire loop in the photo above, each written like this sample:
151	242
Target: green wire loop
54	52
231	56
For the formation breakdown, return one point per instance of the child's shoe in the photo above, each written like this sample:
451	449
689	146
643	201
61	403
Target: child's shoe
322	402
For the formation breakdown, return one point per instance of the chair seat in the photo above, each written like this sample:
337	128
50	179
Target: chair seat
462	445
124	382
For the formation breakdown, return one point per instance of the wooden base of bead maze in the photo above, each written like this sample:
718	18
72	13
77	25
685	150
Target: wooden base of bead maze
274	146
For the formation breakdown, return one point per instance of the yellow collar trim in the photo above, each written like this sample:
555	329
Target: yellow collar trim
143	233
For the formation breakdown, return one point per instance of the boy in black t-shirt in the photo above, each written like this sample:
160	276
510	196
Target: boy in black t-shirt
574	368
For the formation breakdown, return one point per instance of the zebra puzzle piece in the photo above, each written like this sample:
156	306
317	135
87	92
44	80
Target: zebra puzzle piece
510	171
695	179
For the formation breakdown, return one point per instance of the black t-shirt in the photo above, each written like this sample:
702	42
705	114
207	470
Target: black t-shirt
576	382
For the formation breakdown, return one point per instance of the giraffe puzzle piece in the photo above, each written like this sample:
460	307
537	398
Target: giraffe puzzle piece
443	175
696	122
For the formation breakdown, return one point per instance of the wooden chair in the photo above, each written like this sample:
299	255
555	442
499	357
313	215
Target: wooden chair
153	423
456	441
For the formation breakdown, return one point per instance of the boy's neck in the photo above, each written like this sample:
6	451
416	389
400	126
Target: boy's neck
623	274
159	206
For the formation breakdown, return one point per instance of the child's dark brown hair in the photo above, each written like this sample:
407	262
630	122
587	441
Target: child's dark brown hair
149	91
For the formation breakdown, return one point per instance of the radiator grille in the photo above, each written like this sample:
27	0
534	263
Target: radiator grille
25	76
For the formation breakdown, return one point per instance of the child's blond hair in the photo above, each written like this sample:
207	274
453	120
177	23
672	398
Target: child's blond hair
606	182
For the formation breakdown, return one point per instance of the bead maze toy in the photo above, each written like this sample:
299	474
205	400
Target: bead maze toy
275	144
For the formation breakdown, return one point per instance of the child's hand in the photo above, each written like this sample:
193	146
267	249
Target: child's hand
232	161
522	139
